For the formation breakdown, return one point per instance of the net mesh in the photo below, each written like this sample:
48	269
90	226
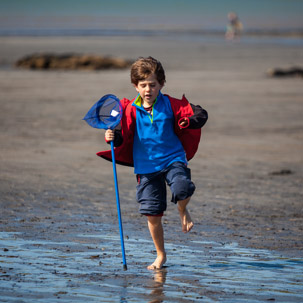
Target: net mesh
105	114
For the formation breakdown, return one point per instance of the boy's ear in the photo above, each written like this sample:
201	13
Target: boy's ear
136	87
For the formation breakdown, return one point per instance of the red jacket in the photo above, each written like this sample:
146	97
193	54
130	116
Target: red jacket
189	137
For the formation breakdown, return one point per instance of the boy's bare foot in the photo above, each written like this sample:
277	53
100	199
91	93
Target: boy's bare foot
158	263
186	221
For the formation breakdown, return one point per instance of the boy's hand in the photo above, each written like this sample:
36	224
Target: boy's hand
183	123
109	135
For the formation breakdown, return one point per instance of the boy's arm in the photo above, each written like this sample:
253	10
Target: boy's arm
197	120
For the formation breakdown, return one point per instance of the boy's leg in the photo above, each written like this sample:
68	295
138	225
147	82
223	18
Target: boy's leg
151	194
179	179
156	231
186	221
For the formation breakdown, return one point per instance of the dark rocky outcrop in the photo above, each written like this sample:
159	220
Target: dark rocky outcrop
71	61
286	72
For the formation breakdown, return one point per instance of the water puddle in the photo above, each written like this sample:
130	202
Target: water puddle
89	268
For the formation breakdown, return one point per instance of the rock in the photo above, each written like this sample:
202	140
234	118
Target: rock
71	62
287	72
281	172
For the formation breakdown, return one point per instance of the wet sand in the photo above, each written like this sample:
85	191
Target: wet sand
248	172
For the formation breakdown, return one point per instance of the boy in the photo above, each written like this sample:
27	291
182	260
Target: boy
158	135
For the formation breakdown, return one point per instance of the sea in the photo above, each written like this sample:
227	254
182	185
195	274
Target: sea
280	20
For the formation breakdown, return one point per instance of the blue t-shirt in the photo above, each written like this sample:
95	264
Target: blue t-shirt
156	145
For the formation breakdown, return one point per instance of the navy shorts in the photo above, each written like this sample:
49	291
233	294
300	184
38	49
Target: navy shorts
151	188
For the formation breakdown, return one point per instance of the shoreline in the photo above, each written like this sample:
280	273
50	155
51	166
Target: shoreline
150	30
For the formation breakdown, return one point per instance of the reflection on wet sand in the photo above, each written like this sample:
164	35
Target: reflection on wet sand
157	293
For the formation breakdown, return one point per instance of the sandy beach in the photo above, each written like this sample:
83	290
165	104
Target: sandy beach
248	170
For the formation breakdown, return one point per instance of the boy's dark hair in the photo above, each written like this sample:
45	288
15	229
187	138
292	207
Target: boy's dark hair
144	67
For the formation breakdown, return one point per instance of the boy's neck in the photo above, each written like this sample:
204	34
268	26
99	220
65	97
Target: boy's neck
147	104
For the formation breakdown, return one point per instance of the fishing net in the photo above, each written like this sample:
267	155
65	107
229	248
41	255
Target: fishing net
105	114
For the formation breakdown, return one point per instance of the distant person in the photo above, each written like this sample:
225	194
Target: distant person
234	28
159	134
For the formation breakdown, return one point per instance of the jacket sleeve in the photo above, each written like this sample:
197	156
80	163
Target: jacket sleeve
199	118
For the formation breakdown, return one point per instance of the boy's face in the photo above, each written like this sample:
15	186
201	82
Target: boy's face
148	89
